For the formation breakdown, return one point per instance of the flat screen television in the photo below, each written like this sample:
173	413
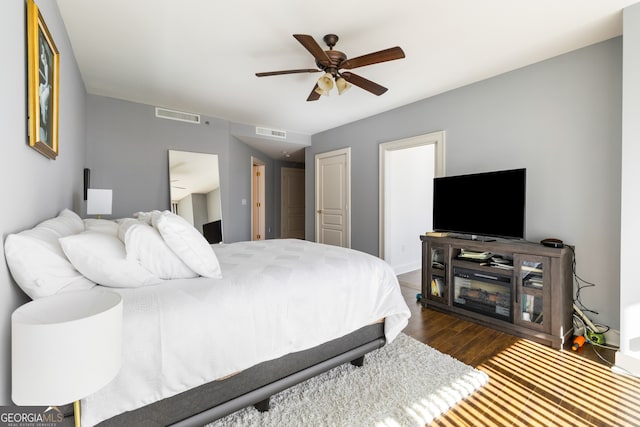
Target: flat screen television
212	231
481	204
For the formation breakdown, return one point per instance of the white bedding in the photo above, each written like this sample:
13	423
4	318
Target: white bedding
275	297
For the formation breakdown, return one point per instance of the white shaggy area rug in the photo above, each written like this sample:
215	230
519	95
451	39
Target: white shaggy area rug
405	383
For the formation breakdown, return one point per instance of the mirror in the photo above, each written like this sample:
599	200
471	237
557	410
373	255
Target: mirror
194	182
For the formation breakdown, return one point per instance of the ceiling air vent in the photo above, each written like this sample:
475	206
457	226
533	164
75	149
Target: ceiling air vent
181	116
274	133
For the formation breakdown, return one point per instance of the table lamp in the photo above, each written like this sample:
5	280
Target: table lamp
99	201
65	347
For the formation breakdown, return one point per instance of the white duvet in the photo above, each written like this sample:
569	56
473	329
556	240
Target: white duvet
275	297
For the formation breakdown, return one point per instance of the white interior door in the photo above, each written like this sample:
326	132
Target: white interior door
292	203
333	197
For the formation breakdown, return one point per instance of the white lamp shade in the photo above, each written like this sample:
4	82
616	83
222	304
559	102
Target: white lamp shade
99	201
326	82
65	347
319	91
342	85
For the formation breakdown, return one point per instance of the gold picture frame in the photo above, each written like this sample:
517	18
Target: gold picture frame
43	68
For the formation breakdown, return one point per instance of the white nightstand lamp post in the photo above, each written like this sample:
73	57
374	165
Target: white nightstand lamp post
65	347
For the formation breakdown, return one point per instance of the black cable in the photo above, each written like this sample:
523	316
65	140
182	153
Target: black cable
601	357
580	284
603	329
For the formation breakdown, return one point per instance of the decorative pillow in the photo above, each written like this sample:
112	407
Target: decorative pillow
101	225
188	244
146	217
102	258
36	260
144	244
123	226
66	223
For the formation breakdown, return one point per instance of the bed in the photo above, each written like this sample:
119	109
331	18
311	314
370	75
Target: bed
198	348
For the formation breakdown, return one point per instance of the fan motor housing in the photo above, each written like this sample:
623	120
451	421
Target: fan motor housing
336	58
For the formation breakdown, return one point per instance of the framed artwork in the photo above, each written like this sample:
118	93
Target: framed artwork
43	62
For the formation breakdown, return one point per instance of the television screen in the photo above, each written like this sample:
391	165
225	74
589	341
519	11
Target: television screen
482	204
212	231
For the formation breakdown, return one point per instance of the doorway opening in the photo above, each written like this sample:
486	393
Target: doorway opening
407	169
292	203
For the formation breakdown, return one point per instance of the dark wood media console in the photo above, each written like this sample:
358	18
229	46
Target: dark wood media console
518	287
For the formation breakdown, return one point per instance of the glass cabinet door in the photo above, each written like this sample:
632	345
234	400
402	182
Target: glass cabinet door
437	286
532	297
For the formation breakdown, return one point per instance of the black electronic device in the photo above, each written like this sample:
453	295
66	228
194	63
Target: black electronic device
482	204
212	231
552	243
488	294
87	184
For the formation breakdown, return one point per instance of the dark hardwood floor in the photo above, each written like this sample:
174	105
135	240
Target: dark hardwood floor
529	384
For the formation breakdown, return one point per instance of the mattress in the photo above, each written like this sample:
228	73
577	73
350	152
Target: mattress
276	297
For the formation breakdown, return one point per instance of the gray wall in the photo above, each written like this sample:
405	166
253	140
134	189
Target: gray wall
560	118
127	151
35	188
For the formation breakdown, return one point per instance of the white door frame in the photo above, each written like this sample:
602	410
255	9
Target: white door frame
346	152
435	138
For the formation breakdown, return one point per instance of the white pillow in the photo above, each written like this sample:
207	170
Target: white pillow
66	223
101	257
36	260
144	245
188	244
146	217
101	225
123	226
40	270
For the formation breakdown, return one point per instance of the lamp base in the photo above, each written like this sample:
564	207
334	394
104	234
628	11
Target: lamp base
76	413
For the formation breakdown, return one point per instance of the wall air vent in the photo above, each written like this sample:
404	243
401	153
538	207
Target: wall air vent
274	133
181	116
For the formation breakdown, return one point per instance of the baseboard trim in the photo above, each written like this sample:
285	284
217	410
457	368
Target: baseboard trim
612	337
406	268
626	365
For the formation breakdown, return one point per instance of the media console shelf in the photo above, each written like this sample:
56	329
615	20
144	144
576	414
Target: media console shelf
518	287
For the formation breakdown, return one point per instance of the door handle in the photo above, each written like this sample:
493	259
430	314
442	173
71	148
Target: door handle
319	211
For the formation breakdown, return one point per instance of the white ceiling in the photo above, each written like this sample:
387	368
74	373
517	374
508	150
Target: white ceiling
201	55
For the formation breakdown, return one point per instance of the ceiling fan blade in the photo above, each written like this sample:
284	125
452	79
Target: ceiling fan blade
365	84
373	58
313	47
313	96
277	73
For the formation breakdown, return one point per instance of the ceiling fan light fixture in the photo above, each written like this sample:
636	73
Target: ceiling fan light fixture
326	82
320	91
331	63
342	85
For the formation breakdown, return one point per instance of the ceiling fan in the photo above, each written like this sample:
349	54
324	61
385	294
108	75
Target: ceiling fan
332	62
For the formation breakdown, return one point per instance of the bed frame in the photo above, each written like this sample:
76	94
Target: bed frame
253	386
